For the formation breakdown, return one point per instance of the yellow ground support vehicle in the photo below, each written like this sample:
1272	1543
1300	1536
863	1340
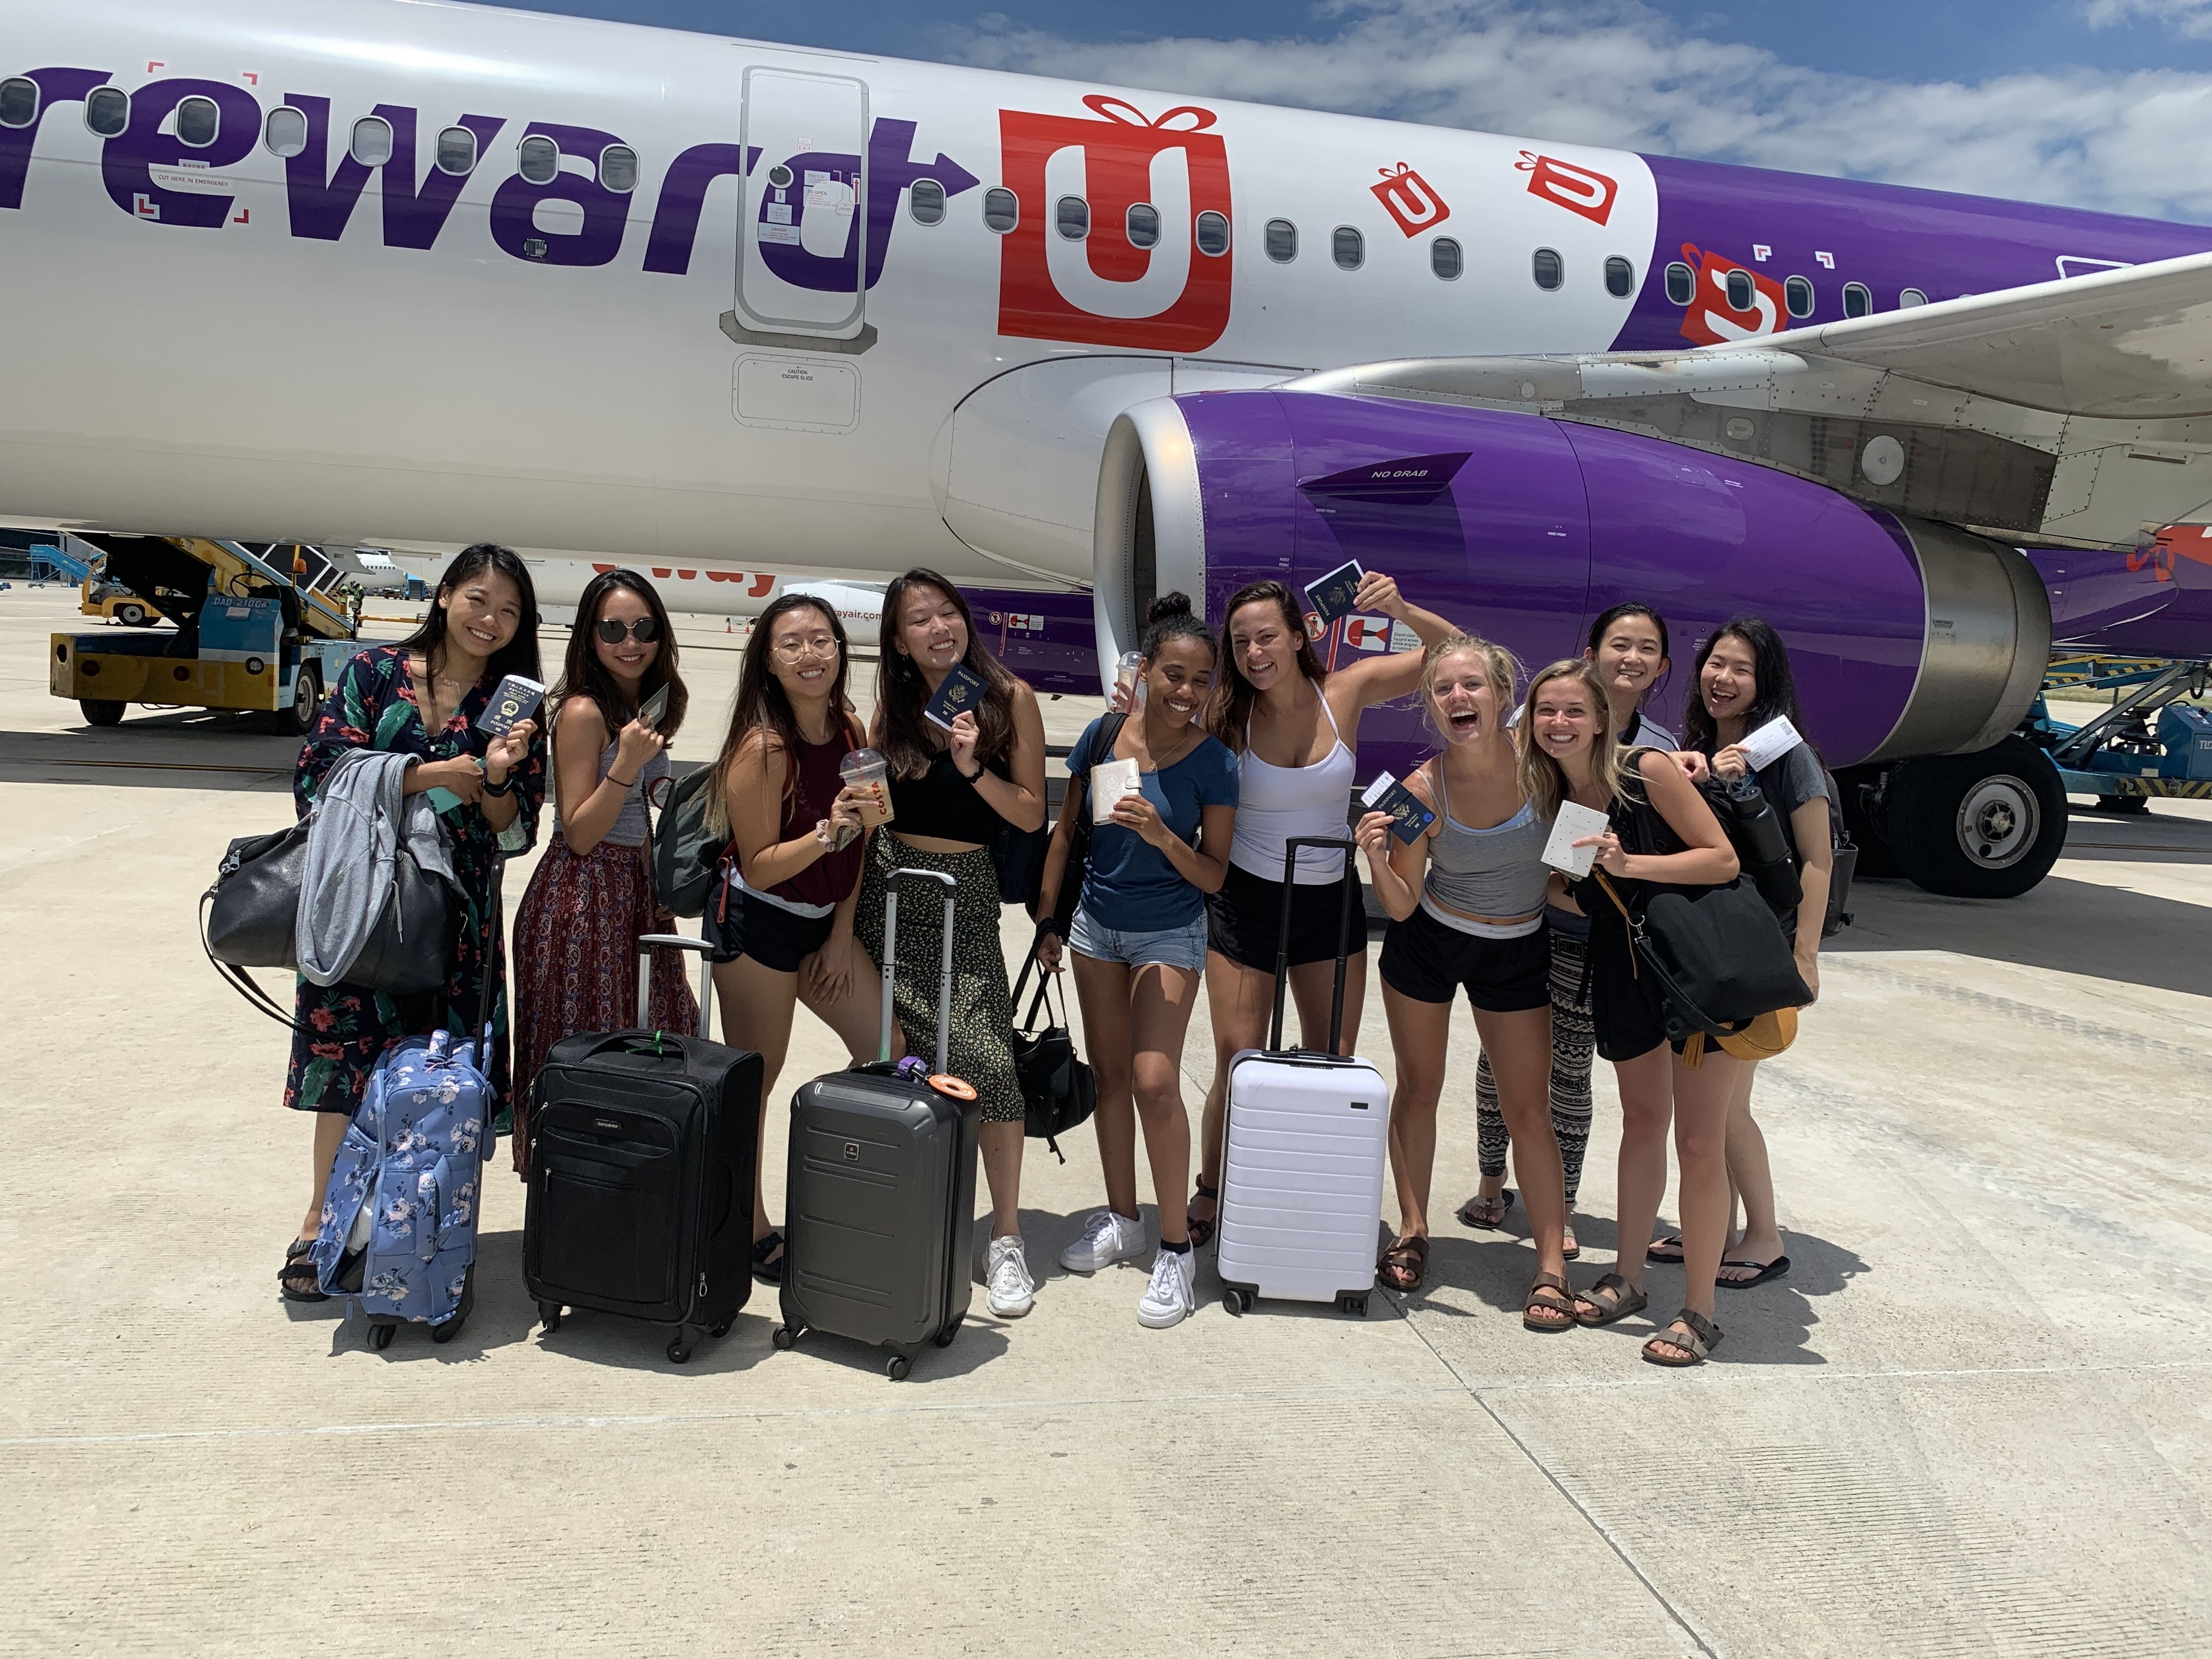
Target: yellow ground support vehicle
265	630
116	602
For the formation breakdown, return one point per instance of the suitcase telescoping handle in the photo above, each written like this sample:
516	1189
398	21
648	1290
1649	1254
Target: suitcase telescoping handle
676	942
1351	885
890	960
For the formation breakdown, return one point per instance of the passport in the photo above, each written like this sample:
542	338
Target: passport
961	693
513	700
1331	596
1409	819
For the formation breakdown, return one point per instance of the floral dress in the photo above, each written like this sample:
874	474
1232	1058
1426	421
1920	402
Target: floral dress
347	1027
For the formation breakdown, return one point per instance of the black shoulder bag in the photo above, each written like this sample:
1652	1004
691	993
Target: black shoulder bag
1716	952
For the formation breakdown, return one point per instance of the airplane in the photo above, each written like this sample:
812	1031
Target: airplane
401	273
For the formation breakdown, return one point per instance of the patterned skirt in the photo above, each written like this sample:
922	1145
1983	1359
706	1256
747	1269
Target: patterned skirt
575	961
978	1047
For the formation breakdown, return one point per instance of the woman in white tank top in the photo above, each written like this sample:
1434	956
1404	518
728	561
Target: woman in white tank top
1294	726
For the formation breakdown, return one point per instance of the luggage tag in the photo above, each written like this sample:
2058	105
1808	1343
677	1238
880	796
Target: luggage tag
1574	823
1409	819
1331	596
1762	748
961	693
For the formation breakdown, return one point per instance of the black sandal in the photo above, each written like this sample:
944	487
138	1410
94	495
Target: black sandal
297	1278
1201	1227
769	1243
1475	1212
1405	1264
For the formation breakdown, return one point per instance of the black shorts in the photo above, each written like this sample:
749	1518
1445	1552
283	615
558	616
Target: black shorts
1427	960
1627	1015
771	935
1244	920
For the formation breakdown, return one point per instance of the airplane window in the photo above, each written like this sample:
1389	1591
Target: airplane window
372	141
540	159
1681	283
1857	300
1911	297
1143	225
285	133
1212	234
1002	210
1619	277
107	110
1739	290
1070	214
1348	248
1444	259
926	202
1281	240
619	168
197	121
457	150
1549	269
19	101
1797	294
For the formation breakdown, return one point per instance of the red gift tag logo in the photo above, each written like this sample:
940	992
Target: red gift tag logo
1104	290
1712	319
1412	200
1578	189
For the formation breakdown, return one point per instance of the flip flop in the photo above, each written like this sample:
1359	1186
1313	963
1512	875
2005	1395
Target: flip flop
1504	1200
1767	1270
1668	1251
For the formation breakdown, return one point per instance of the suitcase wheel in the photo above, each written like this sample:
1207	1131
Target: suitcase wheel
1236	1301
379	1336
1354	1305
943	1338
898	1367
548	1315
784	1337
679	1349
449	1330
722	1329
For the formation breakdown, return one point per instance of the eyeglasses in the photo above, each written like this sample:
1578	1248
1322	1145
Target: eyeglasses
818	645
644	630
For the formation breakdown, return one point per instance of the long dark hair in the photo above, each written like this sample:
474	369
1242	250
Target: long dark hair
582	673
1603	626
519	655
1770	663
762	705
901	691
1232	705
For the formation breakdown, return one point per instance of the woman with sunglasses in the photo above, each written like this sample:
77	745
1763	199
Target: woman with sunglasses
781	921
591	896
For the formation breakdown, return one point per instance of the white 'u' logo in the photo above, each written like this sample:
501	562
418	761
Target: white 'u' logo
1167	271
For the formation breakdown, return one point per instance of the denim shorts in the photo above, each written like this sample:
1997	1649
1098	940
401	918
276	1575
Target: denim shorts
1173	947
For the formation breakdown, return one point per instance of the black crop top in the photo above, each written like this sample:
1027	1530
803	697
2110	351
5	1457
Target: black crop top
1643	830
943	806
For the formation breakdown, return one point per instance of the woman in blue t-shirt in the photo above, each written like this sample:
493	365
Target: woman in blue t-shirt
1139	940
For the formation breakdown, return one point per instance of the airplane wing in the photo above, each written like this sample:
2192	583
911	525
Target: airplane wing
2072	412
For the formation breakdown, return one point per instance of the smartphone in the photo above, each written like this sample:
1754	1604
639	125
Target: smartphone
656	706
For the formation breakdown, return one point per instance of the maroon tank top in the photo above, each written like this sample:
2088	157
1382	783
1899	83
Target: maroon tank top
829	877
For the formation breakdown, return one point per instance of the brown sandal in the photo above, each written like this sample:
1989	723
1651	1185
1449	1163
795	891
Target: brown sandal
1405	1264
1545	1292
1702	1337
1614	1297
1201	1226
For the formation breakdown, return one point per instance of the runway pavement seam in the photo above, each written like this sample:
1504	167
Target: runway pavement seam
2012	1009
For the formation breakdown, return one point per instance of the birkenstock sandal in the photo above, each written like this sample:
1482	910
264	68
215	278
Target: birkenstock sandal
1620	1299
1555	1294
1702	1337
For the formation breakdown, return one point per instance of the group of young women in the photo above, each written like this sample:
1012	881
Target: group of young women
1242	742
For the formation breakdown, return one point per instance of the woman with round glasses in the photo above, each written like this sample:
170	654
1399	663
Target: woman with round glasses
781	921
591	896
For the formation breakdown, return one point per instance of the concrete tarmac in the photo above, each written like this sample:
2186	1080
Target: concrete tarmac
1972	1419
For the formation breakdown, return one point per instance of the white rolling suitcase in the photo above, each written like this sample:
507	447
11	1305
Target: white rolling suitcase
1308	1144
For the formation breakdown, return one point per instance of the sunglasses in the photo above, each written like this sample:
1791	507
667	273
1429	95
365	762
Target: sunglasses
644	630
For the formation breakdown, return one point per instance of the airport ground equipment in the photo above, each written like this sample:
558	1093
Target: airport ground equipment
262	628
2149	743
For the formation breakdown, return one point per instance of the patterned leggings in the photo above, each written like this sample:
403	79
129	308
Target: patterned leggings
1572	1035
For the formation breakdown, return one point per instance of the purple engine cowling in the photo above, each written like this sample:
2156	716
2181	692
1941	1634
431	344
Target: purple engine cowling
1907	637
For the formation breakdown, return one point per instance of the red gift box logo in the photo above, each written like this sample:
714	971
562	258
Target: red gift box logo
1104	290
1412	200
1712	320
1578	189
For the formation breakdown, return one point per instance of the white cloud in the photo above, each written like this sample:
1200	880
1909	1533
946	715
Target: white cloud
2191	19
1618	72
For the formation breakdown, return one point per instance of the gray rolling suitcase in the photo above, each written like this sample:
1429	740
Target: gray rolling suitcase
880	1197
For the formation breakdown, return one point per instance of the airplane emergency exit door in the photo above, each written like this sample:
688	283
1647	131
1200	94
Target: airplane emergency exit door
803	230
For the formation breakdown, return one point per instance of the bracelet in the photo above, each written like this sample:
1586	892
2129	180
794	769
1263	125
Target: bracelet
491	788
976	776
620	784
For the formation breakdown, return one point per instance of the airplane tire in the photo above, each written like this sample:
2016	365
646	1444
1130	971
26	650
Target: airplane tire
1876	859
1986	825
99	711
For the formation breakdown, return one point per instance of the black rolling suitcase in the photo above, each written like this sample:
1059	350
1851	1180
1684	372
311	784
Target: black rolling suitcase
642	1147
880	1200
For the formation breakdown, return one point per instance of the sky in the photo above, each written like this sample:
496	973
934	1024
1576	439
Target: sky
2094	103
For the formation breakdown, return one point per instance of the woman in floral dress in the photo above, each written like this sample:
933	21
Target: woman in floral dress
421	698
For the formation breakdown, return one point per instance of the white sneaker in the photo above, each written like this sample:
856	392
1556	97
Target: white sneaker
1107	1237
1012	1291
1170	1298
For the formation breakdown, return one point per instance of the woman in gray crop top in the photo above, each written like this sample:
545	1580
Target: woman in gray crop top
1466	897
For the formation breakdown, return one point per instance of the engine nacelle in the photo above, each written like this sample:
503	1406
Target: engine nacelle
1908	637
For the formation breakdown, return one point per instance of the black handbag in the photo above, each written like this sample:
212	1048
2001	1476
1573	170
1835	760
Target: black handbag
1058	1088
686	857
1716	952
